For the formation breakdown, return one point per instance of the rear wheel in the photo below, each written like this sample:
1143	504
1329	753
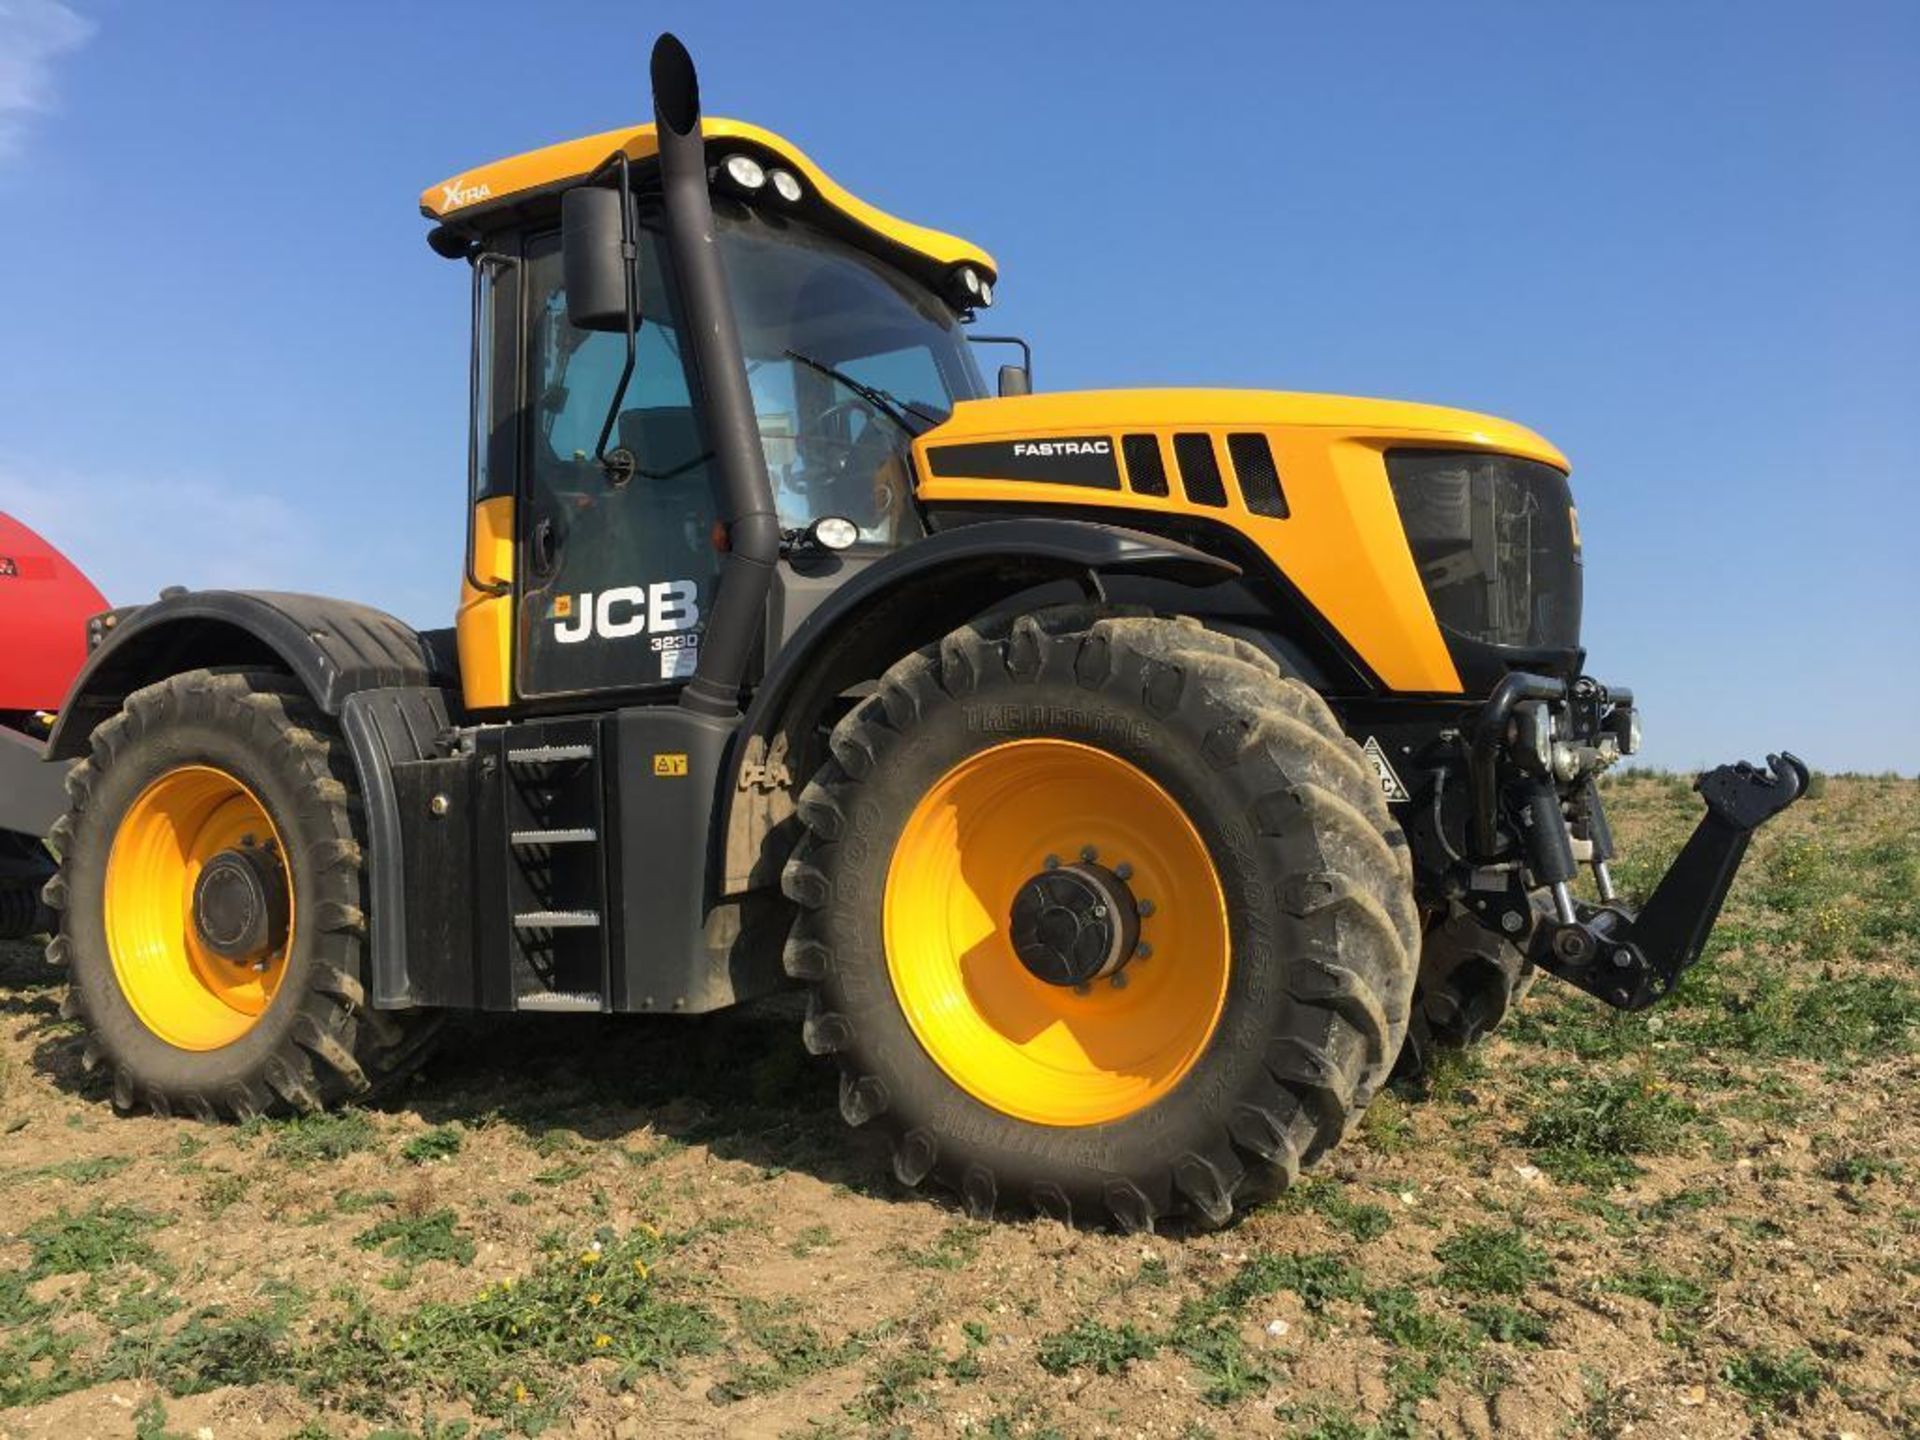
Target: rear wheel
1103	916
212	918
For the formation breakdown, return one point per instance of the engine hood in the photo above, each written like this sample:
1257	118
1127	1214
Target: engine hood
1113	411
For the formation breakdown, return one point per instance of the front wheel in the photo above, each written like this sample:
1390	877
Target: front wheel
211	912
1104	917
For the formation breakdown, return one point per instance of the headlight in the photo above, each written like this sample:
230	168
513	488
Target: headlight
745	171
786	185
834	532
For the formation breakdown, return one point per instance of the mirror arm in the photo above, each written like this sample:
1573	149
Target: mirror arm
1026	350
619	466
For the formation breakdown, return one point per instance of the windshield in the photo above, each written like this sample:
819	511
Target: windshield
809	306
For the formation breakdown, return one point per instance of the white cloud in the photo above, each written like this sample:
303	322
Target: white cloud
33	34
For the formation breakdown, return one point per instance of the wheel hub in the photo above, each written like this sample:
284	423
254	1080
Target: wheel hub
1074	924
240	904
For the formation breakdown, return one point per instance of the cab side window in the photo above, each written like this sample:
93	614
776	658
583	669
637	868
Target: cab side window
618	579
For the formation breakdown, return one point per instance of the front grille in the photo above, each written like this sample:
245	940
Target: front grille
1259	477
1146	473
1199	470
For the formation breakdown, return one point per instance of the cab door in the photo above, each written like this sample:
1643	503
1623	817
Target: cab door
615	580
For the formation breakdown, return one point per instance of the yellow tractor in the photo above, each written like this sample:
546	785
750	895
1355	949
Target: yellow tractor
1131	779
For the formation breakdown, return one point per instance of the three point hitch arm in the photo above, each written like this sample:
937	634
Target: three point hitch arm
1628	960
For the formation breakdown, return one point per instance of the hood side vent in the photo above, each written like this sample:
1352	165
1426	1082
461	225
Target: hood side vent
1146	472
1259	477
1199	469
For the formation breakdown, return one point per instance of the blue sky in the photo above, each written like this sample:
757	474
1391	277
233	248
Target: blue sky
1679	239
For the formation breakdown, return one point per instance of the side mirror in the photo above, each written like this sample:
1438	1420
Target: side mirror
600	284
1014	380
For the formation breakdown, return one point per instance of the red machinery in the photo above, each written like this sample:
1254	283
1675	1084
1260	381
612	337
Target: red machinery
45	603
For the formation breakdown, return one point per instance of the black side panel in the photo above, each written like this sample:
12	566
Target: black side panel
680	951
1055	460
387	729
333	647
436	803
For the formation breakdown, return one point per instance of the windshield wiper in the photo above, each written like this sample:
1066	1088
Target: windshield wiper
887	403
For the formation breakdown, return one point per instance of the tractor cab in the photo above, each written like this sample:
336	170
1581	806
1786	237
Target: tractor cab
596	543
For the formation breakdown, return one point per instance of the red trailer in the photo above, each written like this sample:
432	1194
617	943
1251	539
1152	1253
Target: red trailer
45	603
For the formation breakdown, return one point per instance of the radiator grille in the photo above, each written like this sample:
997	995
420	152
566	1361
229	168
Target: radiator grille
1199	471
1259	477
1145	471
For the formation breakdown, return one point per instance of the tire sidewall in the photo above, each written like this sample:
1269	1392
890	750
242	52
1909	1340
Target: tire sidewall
1251	867
232	742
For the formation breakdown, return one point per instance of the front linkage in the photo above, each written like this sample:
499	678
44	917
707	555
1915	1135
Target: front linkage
1537	750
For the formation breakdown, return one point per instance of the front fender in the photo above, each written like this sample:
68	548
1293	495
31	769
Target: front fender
332	647
894	606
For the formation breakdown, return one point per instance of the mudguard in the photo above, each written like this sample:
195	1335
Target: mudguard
333	647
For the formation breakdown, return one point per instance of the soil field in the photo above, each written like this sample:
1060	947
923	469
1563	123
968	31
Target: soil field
1703	1221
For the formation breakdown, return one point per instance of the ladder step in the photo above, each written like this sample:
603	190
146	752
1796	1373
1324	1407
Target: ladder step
581	836
549	754
558	1000
555	920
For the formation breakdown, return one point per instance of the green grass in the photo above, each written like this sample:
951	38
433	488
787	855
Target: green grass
308	1139
954	1248
793	1351
415	1240
1771	1382
1588	1130
1360	1219
1680	1300
440	1143
507	1352
94	1240
1491	1260
1093	1345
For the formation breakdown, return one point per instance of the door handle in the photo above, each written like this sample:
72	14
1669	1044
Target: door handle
545	548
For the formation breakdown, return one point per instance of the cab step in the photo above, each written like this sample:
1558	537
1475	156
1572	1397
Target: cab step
578	835
568	1002
548	754
556	920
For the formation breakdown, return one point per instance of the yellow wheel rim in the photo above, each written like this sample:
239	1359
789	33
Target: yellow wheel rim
184	992
1042	1052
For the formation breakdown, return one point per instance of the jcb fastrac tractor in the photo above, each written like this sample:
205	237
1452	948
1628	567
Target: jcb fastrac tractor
1131	777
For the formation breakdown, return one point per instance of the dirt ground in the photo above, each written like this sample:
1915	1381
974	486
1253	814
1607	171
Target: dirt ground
1699	1222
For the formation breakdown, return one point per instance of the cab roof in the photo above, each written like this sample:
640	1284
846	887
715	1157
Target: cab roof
474	194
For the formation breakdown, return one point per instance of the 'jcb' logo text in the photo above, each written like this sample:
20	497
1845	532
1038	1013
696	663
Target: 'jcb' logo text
662	607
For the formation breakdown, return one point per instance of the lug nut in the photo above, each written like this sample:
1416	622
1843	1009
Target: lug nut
1083	989
1143	951
1146	908
1123	871
1099	912
1119	981
1089	854
1052	862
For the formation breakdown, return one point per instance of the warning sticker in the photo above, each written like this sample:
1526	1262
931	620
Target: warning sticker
1390	785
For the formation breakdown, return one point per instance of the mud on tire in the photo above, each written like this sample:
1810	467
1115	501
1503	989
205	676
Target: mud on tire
1322	927
317	1042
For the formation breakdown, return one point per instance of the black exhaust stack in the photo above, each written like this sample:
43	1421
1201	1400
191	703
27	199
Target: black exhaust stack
742	492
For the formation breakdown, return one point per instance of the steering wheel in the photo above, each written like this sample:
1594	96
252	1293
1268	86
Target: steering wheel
848	461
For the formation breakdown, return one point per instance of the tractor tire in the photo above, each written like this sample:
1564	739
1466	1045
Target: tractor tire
1258	1001
25	867
1470	981
239	767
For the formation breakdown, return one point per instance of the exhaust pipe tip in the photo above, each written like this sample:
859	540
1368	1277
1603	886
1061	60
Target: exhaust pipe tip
676	85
